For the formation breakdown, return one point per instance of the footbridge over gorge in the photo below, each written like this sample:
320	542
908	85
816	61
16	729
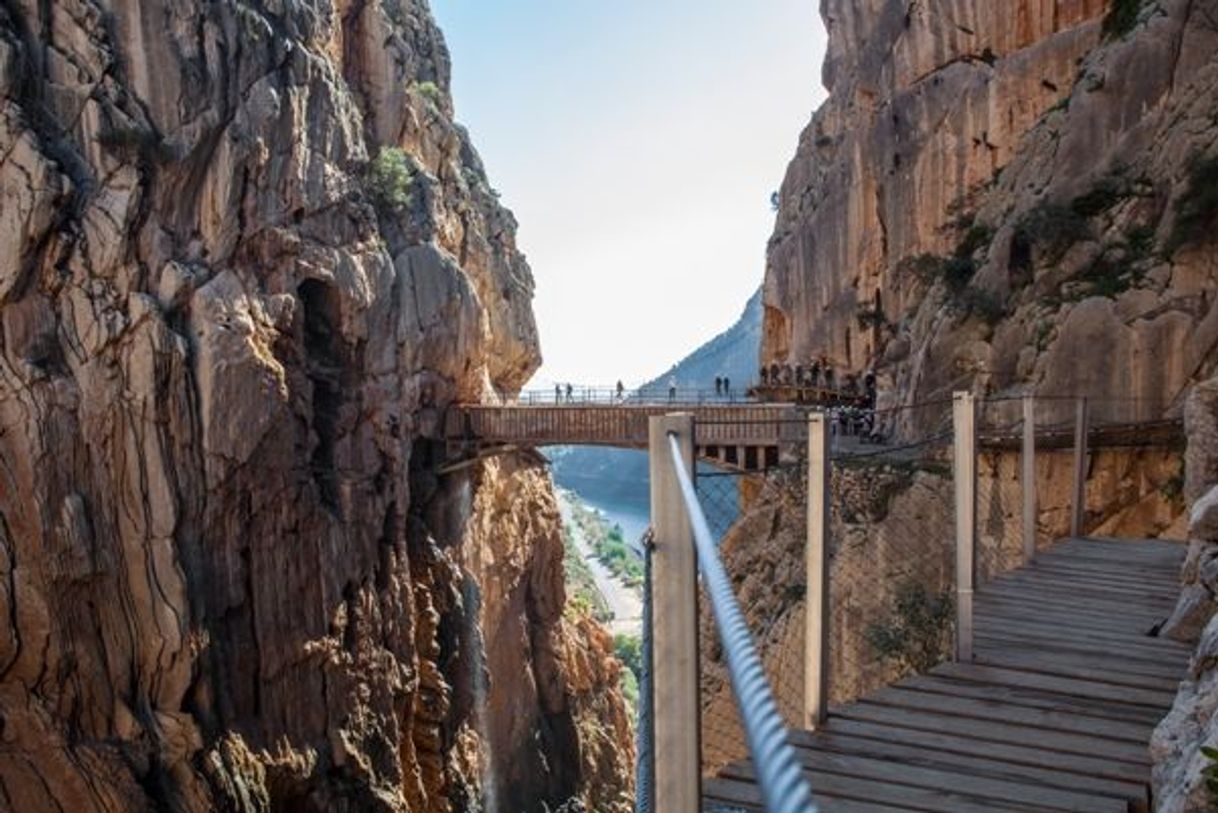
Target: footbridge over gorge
740	435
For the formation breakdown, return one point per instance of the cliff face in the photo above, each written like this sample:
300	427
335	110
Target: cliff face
1006	195
246	257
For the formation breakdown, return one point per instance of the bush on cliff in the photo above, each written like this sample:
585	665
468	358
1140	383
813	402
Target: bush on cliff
389	180
917	634
1197	207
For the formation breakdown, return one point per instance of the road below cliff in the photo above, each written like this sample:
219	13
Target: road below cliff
625	602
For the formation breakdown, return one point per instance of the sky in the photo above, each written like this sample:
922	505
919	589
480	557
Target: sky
637	143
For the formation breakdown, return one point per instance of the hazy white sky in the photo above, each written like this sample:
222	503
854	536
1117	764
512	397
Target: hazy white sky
637	143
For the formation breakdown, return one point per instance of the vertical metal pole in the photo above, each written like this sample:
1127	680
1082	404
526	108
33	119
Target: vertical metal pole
964	421
1079	506
678	769
1028	486
816	601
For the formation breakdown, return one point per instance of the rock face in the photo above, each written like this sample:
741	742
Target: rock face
1179	765
246	259
1007	196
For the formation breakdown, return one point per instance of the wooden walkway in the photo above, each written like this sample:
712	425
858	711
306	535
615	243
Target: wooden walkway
1054	714
743	436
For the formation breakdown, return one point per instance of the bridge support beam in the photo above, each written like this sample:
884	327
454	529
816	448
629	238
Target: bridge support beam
816	603
1078	507
1028	484
964	470
678	768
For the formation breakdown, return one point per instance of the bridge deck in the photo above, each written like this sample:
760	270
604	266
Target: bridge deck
1054	714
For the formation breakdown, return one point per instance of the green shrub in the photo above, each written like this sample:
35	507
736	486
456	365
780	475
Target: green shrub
629	650
917	635
1140	240
1053	228
1121	17
1210	772
430	91
985	305
958	272
976	237
390	179
1100	199
1197	208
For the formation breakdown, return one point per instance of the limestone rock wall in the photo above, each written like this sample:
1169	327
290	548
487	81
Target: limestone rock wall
225	579
1003	196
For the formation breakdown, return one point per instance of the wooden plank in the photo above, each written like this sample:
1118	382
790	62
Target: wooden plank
1108	608
817	609
994	731
1154	701
1042	580
963	756
739	793
1036	699
994	709
678	770
944	742
972	785
1111	574
1133	624
1072	666
1066	628
911	798
1128	660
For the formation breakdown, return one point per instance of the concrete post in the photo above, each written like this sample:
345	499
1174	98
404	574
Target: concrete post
816	600
964	421
1028	484
1082	426
678	769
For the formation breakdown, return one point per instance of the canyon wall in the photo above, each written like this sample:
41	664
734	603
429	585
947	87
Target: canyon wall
246	259
1009	197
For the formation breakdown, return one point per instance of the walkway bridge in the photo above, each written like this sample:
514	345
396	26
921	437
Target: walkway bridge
743	436
1047	702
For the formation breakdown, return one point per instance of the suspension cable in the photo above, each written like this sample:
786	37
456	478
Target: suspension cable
778	773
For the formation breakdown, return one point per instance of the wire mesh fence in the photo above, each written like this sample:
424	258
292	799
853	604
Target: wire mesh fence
892	536
891	571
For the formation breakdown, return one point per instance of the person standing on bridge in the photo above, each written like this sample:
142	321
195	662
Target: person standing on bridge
672	389
621	391
727	387
718	386
558	393
569	398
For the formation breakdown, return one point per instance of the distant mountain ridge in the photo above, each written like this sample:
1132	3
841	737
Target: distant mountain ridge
620	475
732	353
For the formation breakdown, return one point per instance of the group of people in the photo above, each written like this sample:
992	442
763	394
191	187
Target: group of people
819	373
619	393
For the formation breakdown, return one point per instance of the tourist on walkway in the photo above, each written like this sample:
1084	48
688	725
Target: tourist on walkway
672	389
718	385
765	376
569	398
557	394
727	387
621	391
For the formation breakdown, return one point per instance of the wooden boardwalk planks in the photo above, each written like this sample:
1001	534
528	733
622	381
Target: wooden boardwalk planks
1054	714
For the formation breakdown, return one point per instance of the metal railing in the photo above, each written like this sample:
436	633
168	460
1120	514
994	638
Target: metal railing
683	547
778	772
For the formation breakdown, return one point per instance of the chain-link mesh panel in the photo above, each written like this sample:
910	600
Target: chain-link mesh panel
891	572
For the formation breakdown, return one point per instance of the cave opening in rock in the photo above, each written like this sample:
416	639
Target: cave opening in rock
324	363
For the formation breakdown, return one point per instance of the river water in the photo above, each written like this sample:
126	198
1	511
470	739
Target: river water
633	518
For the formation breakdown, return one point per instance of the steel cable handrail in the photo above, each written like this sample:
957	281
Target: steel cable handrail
779	776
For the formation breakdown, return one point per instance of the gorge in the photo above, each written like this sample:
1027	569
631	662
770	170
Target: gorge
249	260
